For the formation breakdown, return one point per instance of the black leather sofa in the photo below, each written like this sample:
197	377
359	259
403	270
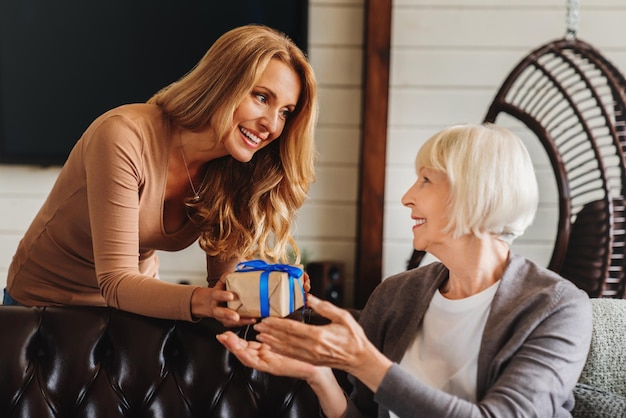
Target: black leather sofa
101	362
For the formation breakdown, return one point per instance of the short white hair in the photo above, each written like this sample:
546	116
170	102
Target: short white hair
493	188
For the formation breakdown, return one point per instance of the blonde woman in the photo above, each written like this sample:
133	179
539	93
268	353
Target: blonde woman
480	333
225	155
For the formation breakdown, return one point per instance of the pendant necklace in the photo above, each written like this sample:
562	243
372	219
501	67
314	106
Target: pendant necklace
196	193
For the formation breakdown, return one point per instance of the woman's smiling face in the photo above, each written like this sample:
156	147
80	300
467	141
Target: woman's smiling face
260	118
428	199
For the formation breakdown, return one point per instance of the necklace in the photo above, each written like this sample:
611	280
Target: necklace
196	193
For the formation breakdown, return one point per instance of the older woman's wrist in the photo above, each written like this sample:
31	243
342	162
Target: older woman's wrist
319	377
329	393
372	368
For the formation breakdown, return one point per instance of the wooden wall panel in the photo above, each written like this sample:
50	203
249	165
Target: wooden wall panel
373	149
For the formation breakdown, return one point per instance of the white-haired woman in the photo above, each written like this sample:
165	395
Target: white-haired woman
483	332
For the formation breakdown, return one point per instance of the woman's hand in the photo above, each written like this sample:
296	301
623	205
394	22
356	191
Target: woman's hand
342	344
306	282
210	302
339	344
260	357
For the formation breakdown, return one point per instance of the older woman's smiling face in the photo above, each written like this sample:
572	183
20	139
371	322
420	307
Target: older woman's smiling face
428	199
260	118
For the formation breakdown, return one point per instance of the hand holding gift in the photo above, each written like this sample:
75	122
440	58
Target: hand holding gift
264	289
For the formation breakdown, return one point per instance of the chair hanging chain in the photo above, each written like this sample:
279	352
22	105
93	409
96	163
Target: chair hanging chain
572	19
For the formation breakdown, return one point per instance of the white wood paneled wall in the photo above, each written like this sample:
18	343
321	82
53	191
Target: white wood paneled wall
326	225
23	189
449	58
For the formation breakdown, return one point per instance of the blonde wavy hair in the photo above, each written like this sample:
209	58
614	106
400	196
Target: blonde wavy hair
247	209
493	188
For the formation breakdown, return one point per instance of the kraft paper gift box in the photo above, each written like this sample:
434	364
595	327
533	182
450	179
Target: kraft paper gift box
265	289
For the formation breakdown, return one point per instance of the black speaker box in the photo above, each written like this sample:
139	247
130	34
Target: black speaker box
327	280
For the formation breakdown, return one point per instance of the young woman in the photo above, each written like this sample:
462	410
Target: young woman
225	155
481	333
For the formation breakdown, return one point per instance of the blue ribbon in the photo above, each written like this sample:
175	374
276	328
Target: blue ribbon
260	265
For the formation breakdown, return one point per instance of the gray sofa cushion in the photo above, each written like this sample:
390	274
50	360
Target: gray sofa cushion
606	363
601	389
592	402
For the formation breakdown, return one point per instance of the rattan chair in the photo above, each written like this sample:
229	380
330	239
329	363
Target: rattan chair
573	100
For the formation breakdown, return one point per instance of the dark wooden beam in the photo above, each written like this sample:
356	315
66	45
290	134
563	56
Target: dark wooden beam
377	51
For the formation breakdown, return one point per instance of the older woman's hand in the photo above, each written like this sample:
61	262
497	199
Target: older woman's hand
260	357
342	344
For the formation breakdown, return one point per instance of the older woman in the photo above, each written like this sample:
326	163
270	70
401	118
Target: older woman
483	332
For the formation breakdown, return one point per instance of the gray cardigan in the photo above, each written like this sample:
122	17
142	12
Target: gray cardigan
533	348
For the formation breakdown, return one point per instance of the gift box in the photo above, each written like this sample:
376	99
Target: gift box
264	289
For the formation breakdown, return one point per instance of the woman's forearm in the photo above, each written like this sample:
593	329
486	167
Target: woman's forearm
331	397
371	367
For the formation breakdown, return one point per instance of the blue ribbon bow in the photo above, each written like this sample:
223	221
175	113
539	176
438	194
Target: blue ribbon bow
260	265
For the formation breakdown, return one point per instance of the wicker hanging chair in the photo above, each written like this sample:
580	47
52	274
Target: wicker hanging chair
574	101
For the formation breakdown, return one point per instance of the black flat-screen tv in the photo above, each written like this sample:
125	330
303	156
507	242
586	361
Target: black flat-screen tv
62	63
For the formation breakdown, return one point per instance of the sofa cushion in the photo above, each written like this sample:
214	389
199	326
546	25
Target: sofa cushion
601	388
605	368
592	402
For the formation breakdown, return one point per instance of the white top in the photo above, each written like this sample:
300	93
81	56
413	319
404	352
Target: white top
444	353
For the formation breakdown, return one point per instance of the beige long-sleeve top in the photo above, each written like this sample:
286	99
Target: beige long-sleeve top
93	241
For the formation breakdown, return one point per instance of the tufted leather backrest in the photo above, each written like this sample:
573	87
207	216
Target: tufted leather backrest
102	362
